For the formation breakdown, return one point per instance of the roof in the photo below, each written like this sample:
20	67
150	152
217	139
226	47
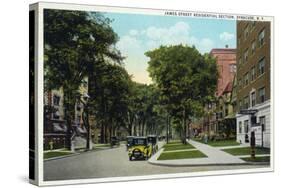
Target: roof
228	88
223	50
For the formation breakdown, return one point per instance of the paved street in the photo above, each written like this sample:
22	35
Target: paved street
113	163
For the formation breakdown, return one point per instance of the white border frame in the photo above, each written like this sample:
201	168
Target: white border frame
39	90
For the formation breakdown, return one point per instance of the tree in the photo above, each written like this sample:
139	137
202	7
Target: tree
75	42
111	98
184	78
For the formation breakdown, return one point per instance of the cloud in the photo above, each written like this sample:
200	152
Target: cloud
133	32
175	34
225	36
128	44
137	42
205	45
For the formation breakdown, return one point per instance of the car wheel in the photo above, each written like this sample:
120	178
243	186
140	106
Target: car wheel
136	153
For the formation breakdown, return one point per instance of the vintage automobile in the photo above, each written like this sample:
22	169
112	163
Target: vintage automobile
114	141
140	149
153	140
129	142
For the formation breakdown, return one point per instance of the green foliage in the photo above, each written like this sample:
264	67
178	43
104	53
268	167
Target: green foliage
71	51
185	79
111	94
75	41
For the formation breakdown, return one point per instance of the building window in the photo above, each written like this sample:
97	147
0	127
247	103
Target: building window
78	118
246	126
262	95
253	47
56	100
232	68
246	79
240	126
239	40
261	38
246	32
240	61
252	24
262	123
253	73
56	114
240	83
262	66
253	99
78	106
240	105
246	55
246	102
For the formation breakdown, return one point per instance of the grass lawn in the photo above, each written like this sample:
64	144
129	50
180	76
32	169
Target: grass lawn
52	154
257	159
181	155
219	143
247	151
174	142
223	143
177	146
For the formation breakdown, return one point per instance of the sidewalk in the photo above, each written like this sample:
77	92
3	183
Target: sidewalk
214	157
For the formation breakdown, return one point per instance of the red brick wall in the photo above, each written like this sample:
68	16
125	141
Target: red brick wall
225	58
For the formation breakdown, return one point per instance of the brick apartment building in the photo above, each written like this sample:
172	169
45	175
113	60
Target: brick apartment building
213	122
253	81
226	62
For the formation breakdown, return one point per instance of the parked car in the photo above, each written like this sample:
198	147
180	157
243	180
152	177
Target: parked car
140	149
129	140
153	140
114	141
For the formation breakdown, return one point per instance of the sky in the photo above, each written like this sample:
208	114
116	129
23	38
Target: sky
141	33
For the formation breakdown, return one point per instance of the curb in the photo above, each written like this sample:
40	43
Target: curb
77	153
211	164
61	157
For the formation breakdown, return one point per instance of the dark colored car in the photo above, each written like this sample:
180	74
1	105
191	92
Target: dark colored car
153	140
130	142
114	141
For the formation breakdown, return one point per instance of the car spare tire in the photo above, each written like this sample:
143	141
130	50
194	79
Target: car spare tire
137	153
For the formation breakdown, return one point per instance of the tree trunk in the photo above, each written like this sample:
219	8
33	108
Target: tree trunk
68	120
184	127
105	134
139	131
135	129
110	133
188	130
143	127
167	129
102	140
